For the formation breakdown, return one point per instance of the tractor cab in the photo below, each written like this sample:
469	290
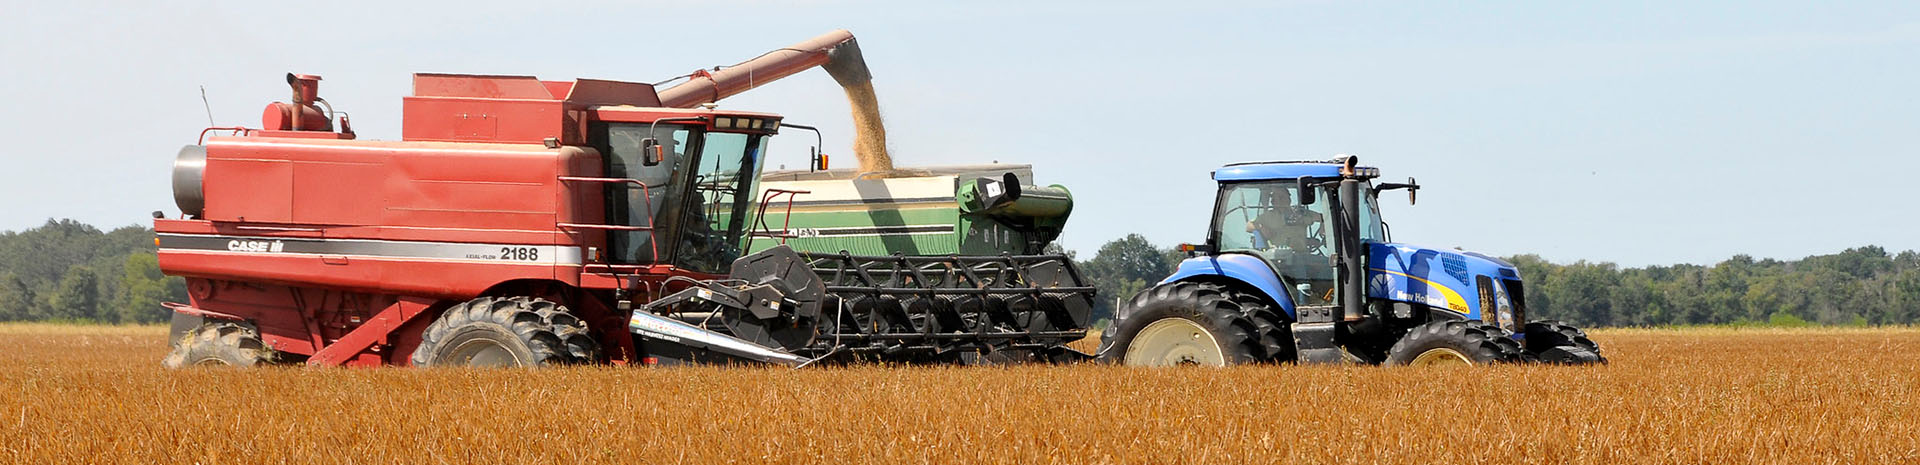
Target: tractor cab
1277	211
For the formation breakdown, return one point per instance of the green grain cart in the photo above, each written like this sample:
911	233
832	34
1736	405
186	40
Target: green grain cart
965	210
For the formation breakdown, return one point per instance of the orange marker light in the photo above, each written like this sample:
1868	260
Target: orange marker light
1194	248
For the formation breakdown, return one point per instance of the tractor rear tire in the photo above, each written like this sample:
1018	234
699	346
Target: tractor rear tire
219	344
1466	342
1191	323
509	332
1555	342
1275	331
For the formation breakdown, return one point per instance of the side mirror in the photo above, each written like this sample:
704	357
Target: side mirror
1304	191
816	161
651	152
1412	187
1413	192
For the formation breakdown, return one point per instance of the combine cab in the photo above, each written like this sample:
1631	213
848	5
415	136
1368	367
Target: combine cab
522	222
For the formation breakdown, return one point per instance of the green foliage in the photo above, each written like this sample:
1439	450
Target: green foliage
1858	286
66	270
143	288
17	300
77	297
1122	268
1786	320
1132	256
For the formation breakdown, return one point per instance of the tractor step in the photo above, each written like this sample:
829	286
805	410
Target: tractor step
1314	342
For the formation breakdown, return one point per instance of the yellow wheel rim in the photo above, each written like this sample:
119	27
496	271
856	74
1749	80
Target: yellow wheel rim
1174	341
1441	356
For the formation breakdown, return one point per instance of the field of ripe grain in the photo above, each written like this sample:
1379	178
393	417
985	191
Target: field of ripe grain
98	395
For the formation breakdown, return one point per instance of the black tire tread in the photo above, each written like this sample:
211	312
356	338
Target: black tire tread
552	334
1483	342
1248	329
1275	331
1543	335
232	343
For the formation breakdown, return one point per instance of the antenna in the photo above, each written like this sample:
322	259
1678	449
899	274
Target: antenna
208	106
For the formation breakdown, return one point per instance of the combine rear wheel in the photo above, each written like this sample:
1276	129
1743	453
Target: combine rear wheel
1454	342
219	344
1555	342
507	332
1191	324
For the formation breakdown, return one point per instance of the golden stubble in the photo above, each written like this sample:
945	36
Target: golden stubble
98	395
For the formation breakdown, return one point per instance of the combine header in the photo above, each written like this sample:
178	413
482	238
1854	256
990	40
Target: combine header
524	222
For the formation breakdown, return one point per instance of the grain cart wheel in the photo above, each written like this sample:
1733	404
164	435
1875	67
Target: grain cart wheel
1185	323
219	344
1555	342
1454	342
506	332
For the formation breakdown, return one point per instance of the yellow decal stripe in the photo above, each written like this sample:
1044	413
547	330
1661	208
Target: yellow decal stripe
1454	301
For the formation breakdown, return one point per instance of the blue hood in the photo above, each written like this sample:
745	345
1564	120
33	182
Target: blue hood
1443	279
1438	278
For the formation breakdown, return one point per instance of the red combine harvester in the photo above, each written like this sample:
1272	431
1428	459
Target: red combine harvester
519	222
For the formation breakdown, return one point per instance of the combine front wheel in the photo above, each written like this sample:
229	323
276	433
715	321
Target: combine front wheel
506	332
1454	342
219	344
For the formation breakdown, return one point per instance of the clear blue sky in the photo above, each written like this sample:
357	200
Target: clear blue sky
1632	132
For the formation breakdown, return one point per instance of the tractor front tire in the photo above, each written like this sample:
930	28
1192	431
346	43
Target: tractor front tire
1191	323
506	332
1555	342
219	344
1455	342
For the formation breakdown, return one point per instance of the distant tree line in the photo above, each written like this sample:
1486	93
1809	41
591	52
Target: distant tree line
68	271
1860	286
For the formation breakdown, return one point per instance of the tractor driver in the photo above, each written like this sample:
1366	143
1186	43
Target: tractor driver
1283	224
1295	233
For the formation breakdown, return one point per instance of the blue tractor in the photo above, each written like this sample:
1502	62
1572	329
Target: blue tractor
1298	266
